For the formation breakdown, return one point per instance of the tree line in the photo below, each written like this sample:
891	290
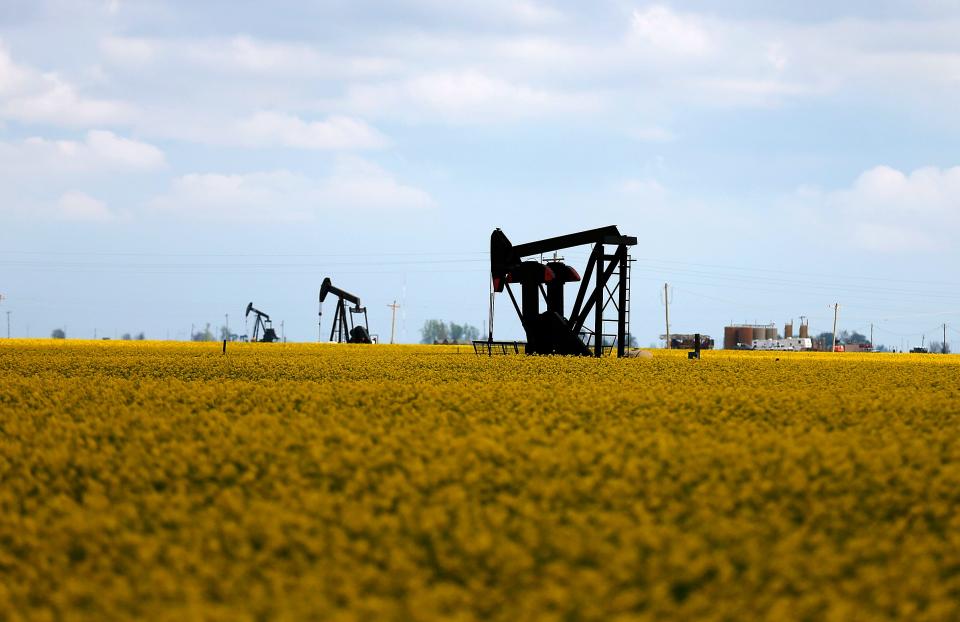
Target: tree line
59	333
438	331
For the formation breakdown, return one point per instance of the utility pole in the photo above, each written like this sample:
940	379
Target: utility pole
666	311
872	347
190	336
226	318
393	318
283	335
836	313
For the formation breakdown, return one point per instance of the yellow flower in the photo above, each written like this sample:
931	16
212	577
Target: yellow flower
158	480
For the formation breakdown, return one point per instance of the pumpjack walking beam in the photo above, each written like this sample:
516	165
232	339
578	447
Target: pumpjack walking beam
551	332
343	331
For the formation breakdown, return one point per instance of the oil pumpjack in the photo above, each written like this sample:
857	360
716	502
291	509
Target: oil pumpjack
262	322
551	331
344	329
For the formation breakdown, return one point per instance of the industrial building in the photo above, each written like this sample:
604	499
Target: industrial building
766	337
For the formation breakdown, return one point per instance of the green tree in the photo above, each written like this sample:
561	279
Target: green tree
851	337
205	335
470	332
434	331
438	331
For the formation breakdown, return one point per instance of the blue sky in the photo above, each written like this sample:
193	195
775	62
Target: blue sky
164	163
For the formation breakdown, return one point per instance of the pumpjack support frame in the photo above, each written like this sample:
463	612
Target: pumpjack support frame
550	331
344	328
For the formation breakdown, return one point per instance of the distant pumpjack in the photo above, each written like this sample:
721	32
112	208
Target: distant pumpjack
262	322
550	331
345	330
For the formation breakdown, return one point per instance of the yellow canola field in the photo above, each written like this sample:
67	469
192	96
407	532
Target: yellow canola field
167	481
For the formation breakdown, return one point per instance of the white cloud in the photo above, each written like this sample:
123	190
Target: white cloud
101	151
243	55
284	195
254	56
541	65
528	12
214	192
888	210
266	129
39	177
336	132
465	97
123	152
129	50
887	192
777	56
78	206
663	30
543	68
478	13
362	184
32	96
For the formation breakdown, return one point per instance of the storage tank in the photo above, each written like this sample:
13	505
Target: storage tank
729	337
788	330
760	332
771	332
744	335
804	331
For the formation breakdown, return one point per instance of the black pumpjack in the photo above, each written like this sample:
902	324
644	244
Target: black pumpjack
345	329
550	331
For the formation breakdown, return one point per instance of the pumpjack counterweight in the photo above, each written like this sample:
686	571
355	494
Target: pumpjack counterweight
345	329
551	331
261	323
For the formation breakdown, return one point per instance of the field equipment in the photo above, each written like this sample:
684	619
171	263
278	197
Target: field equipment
262	322
551	331
696	341
345	330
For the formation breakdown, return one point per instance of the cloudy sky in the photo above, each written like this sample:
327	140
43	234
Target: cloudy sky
164	163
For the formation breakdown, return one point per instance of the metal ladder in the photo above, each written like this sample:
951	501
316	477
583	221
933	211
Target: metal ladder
610	297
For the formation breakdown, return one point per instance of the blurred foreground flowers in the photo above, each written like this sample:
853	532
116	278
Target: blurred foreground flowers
284	481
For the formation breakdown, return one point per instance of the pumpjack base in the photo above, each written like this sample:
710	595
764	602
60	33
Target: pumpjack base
483	347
